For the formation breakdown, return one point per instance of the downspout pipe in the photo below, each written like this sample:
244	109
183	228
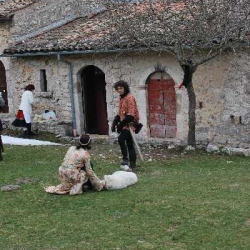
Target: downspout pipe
72	101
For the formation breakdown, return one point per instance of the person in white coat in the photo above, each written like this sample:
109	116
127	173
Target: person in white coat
26	104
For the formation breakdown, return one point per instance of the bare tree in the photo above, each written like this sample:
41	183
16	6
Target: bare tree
194	31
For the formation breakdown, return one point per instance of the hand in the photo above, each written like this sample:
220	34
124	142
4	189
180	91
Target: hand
138	128
113	128
115	122
119	127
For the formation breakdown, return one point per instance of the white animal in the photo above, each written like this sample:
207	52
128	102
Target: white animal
119	180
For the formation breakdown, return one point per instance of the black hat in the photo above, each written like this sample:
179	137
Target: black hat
84	140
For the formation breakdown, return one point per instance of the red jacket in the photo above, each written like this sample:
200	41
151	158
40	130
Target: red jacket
128	106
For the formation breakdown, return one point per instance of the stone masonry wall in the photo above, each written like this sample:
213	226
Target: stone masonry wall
26	71
209	80
221	86
234	126
223	90
135	69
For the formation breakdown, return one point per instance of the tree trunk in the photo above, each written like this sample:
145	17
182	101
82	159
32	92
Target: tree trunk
191	115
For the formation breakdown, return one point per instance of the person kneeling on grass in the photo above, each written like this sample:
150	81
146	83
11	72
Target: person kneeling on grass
76	170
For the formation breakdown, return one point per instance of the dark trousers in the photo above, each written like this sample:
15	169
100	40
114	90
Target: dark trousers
28	126
127	146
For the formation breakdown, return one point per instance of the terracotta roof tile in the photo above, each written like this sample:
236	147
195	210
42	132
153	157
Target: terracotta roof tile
96	32
82	33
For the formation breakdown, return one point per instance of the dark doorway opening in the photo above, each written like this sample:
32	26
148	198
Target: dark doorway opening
3	88
94	100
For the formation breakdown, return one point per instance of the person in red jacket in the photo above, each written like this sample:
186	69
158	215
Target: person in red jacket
128	116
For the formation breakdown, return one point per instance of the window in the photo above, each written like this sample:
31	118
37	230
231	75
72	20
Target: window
248	88
43	81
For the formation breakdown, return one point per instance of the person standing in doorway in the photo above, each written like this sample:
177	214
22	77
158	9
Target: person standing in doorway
26	105
128	117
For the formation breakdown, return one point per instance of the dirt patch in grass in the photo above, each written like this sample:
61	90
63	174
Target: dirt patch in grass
27	180
104	149
8	188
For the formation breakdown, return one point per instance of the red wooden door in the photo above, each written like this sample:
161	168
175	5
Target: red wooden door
162	108
3	86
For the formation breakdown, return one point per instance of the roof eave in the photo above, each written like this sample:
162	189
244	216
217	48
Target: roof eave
73	52
103	51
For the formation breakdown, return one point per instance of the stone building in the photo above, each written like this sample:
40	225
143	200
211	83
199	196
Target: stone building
48	43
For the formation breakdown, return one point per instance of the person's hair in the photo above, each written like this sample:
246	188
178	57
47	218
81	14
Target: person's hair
123	84
30	87
84	142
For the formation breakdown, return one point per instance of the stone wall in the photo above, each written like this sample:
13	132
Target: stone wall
132	68
221	86
234	126
59	128
135	69
27	71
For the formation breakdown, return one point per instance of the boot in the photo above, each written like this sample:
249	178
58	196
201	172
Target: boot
28	125
124	162
124	166
132	158
23	133
132	165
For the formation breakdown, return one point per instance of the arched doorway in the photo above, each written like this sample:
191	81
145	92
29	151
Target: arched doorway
3	87
161	105
94	100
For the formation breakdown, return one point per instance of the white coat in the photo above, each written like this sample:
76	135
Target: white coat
26	102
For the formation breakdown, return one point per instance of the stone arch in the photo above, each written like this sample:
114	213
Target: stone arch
177	75
93	103
162	106
3	87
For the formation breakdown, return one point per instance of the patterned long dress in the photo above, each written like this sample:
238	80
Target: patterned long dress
72	176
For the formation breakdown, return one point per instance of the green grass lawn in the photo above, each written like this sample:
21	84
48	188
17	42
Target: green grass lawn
182	201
